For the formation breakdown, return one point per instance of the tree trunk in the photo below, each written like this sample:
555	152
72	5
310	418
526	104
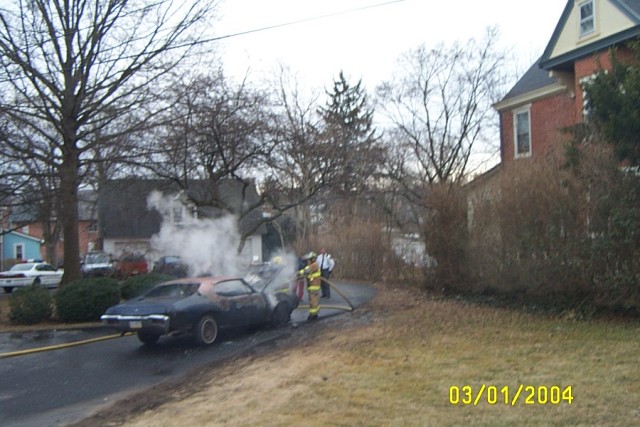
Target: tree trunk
48	235
69	214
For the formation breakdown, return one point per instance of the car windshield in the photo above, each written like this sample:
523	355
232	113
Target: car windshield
22	267
171	260
173	290
97	259
268	276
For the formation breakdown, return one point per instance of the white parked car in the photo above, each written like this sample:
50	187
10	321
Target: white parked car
30	273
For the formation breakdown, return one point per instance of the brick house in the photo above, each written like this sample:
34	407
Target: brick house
549	97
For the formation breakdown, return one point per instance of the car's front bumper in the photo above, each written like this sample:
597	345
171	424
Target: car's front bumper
151	323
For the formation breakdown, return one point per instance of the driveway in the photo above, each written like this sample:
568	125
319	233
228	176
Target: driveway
59	387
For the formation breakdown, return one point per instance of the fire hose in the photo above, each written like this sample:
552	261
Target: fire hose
60	346
339	292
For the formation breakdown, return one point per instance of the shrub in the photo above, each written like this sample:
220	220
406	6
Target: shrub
30	305
563	235
136	285
445	228
85	300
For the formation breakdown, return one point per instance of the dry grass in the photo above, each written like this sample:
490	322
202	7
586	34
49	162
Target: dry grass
393	362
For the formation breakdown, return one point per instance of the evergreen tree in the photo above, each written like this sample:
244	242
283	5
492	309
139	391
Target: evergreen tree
614	105
350	135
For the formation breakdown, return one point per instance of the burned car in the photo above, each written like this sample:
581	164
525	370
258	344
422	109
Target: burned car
203	305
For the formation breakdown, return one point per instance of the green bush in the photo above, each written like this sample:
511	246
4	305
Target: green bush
136	285
29	305
85	300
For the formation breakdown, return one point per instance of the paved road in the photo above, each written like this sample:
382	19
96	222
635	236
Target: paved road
56	388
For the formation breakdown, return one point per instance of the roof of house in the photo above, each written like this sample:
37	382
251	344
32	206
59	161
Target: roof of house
535	84
124	213
628	8
28	213
535	78
538	79
24	237
87	205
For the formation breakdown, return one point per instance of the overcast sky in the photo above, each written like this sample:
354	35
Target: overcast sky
365	40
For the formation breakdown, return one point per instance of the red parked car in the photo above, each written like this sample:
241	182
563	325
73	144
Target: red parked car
131	265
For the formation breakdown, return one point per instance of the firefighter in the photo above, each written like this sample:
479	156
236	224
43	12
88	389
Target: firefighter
298	284
312	274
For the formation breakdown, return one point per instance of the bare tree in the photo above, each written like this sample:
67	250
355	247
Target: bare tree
440	104
216	130
73	68
302	163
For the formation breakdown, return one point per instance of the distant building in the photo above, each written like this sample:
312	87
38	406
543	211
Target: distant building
127	224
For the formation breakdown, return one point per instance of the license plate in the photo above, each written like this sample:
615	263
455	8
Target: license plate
135	324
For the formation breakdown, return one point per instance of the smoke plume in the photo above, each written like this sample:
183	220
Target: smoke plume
206	246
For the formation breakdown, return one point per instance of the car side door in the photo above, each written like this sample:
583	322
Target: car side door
48	275
246	306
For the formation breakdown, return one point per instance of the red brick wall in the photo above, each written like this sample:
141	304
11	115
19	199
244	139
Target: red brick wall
548	116
86	237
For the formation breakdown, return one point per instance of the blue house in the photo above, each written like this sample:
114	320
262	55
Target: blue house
16	246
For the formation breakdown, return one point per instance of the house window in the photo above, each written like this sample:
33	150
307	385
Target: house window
18	251
586	105
178	212
93	227
522	132
587	18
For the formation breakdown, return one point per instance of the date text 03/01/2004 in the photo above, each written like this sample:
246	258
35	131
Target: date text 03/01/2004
528	394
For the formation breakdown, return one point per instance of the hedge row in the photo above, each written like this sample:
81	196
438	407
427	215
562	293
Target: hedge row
83	300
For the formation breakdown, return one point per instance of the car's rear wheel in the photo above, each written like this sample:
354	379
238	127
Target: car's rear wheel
147	338
36	282
281	315
8	289
206	330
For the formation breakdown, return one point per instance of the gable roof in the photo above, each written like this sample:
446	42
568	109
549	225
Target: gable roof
536	83
565	46
23	236
123	210
533	79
